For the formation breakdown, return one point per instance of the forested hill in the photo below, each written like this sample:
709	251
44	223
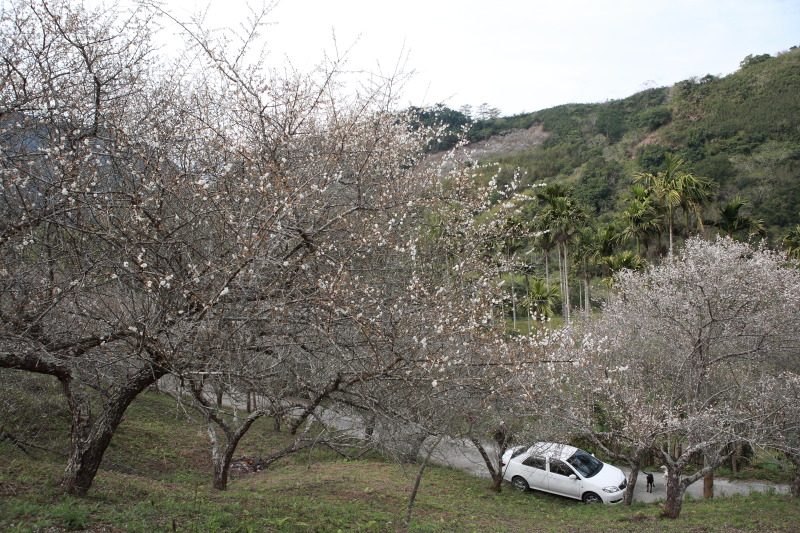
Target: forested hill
742	131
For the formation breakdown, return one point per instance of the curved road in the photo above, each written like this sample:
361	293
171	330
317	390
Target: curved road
463	456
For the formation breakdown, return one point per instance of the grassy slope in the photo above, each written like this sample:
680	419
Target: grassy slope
157	477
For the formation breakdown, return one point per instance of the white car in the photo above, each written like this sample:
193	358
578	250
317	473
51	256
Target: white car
564	470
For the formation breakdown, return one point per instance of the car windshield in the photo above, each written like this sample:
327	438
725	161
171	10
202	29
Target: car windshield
587	465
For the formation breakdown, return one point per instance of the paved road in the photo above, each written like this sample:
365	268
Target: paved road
463	456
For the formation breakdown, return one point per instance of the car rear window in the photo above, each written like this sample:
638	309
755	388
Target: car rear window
517	451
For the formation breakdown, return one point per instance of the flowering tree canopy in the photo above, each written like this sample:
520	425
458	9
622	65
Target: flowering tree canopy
670	365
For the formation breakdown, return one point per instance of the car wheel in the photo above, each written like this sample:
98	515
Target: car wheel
519	483
591	497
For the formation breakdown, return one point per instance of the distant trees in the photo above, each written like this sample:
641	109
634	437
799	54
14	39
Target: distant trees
751	60
450	125
486	112
561	216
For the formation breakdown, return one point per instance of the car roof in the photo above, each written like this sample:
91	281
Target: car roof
552	449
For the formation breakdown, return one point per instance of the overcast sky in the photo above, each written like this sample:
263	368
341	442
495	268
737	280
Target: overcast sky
525	55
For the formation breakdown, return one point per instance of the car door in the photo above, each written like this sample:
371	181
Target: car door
559	482
533	469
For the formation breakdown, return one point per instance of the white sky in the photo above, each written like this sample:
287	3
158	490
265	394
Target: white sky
524	55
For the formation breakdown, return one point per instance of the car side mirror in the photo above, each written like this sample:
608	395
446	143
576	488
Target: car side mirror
573	476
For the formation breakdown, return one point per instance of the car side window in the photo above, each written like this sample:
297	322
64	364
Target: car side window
534	462
560	468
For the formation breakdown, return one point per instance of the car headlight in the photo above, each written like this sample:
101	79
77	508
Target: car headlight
612	489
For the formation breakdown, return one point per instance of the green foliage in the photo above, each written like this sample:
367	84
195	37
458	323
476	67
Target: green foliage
751	60
650	157
610	122
598	182
653	118
483	129
439	115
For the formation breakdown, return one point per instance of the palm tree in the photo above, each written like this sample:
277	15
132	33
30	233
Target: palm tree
594	243
622	261
697	194
639	219
561	216
791	241
674	187
541	298
545	241
732	221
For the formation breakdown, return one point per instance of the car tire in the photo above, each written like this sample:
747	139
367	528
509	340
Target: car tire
591	497
519	483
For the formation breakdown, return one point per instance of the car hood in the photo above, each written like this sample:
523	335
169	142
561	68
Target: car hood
607	476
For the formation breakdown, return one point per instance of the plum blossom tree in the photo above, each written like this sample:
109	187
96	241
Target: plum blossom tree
93	244
211	218
673	357
780	394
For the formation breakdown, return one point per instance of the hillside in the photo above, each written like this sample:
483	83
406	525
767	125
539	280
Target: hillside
742	131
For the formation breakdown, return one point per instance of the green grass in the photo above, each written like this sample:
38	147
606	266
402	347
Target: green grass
157	478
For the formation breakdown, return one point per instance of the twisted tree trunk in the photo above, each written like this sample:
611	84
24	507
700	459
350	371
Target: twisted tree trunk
90	436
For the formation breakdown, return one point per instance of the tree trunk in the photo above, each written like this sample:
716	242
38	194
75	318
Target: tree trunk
495	470
222	466
513	306
566	280
708	481
547	267
627	498
369	430
89	437
587	294
222	457
409	452
413	496
675	490
670	235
